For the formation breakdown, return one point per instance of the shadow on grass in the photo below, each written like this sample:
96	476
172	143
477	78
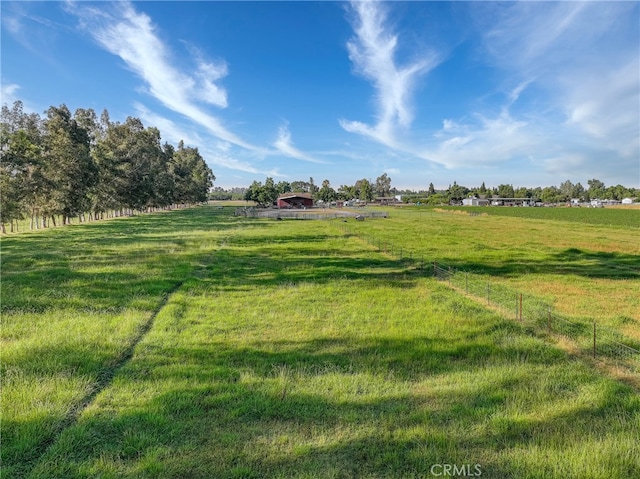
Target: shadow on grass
591	264
133	263
345	408
106	266
377	407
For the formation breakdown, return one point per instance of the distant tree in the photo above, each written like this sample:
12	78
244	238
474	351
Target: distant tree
364	190
618	192
300	186
326	193
506	191
346	192
383	185
578	192
283	187
551	194
253	192
220	194
457	193
566	190
438	199
596	189
432	190
269	194
313	189
130	160
263	195
192	177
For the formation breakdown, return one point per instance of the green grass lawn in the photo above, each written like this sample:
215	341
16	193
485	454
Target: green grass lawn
196	344
586	271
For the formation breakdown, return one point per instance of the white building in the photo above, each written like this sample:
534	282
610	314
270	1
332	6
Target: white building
475	202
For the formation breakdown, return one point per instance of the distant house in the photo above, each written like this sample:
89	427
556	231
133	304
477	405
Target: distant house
497	201
627	201
475	202
295	200
386	200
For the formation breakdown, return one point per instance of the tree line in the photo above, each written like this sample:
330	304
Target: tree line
265	194
550	194
78	165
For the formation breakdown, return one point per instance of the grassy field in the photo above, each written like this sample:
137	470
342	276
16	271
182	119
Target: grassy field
196	344
586	271
624	216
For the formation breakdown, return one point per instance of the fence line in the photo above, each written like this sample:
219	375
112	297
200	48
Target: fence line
523	307
314	214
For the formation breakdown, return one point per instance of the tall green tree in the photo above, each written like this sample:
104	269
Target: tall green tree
253	192
347	192
326	193
300	186
129	158
506	191
596	189
21	178
457	192
68	167
383	185
364	190
263	195
313	188
192	177
283	187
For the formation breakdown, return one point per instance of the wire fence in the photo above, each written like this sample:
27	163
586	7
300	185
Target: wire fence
310	214
593	339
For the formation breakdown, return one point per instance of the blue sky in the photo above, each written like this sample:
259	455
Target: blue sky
525	93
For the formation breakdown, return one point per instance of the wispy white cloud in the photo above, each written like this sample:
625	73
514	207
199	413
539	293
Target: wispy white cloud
372	53
284	145
220	154
486	142
606	107
132	36
8	93
577	58
34	33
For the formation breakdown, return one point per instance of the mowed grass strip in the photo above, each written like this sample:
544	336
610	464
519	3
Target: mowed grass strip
74	300
589	272
298	353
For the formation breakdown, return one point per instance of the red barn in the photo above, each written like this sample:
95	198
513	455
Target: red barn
295	200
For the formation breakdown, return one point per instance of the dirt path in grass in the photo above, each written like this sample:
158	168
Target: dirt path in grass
104	379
